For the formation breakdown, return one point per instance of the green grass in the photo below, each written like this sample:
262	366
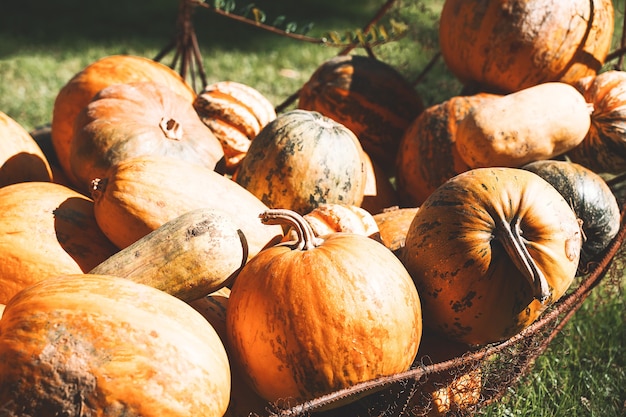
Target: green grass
44	43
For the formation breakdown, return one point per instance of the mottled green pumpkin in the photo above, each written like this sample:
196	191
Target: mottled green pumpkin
303	159
489	251
591	199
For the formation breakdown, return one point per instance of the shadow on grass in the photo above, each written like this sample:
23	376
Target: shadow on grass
42	23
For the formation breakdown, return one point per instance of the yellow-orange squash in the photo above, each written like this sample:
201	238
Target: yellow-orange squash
603	150
141	194
489	251
538	122
236	113
21	158
84	85
46	229
98	345
509	45
136	119
369	97
315	315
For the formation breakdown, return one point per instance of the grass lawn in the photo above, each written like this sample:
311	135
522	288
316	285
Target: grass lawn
44	43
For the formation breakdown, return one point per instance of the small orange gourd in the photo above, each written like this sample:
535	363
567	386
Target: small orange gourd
320	314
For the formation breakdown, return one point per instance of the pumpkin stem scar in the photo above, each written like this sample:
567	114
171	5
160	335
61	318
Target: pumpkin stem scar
306	237
509	235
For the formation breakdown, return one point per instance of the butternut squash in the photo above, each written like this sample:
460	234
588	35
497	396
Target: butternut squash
536	123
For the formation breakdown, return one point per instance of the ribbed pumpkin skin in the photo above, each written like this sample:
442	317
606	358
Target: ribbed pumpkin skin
604	147
84	85
302	159
21	158
471	289
305	322
369	97
427	156
141	194
235	113
46	229
508	45
100	345
136	119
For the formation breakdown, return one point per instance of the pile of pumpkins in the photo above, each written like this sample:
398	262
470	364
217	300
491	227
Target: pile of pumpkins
181	253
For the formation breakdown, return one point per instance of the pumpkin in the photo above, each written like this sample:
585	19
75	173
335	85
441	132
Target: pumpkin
46	229
84	85
369	97
303	159
315	315
508	45
591	199
141	194
21	158
102	345
335	218
427	154
489	251
603	150
379	192
236	113
393	224
244	401
188	257
135	119
539	122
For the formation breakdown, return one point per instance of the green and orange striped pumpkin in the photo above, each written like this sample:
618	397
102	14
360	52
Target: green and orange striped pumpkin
369	97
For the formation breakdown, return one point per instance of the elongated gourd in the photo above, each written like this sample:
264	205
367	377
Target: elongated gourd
188	257
539	122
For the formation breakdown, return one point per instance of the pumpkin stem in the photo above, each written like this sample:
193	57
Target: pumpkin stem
171	128
306	237
511	239
98	185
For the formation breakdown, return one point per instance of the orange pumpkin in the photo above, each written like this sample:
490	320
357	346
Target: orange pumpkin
84	85
46	229
379	192
315	315
489	251
244	401
393	224
427	156
136	119
369	97
236	113
21	158
507	45
101	345
603	150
